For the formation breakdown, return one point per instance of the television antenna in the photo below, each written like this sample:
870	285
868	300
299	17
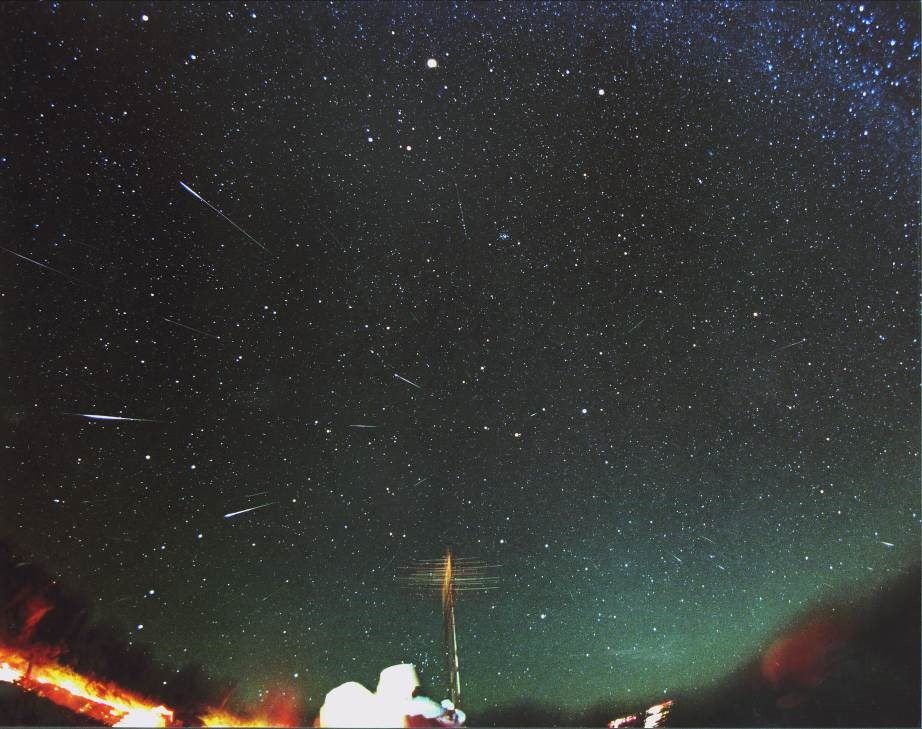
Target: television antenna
450	575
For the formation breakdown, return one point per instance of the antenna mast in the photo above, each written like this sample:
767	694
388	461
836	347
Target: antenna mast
450	575
451	631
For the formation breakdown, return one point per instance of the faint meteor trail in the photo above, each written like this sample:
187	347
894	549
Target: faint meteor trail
252	508
405	486
887	544
637	325
191	329
49	268
460	209
257	493
329	230
363	426
708	539
676	558
788	346
409	382
92	416
199	197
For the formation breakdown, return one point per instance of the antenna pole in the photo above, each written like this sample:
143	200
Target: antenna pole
451	632
450	575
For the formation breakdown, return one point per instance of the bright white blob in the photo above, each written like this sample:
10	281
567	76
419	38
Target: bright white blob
432	63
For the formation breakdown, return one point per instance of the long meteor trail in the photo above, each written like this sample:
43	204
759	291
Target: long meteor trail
92	416
42	265
409	382
199	197
460	209
252	508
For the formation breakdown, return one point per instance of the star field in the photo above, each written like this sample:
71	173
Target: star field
620	298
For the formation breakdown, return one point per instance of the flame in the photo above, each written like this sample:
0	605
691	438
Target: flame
655	716
101	701
9	674
36	608
105	701
146	717
220	717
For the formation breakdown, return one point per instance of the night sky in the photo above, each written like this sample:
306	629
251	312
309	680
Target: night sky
621	299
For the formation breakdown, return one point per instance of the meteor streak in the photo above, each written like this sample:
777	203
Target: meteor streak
887	544
460	209
787	346
191	329
199	197
330	231
409	382
363	426
252	508
401	488
42	265
637	325
91	416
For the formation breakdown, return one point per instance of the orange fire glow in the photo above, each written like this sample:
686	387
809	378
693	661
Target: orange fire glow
802	657
101	701
104	701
